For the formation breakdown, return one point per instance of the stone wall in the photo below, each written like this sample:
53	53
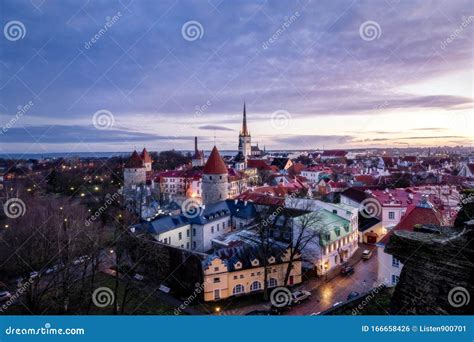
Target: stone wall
214	188
436	267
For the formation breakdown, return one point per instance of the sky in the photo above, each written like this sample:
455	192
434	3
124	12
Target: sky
85	76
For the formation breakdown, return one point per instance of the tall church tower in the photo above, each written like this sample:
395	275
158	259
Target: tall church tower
244	138
215	179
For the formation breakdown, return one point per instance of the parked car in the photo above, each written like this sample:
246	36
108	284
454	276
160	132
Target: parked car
347	269
52	269
299	296
82	259
366	254
34	275
138	277
353	294
5	295
336	304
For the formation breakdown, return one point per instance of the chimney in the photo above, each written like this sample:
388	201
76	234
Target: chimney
196	145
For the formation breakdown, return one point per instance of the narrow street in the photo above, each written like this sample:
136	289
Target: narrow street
326	292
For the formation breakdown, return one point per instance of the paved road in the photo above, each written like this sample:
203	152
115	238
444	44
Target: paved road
326	293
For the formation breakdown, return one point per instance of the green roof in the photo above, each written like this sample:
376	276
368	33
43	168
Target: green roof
330	227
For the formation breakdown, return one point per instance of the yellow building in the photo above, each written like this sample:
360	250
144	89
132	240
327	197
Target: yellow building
238	271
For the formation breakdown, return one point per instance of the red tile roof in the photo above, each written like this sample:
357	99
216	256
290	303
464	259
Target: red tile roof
215	165
134	162
146	156
417	215
258	164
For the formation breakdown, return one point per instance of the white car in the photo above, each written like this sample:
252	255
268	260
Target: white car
5	295
336	304
34	275
299	296
138	277
82	259
366	254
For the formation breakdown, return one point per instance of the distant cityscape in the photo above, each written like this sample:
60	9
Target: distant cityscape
250	231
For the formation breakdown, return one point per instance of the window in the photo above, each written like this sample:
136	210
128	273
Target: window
255	286
216	269
338	231
253	274
235	277
217	280
217	294
194	231
187	233
395	262
187	245
395	279
272	282
180	236
212	229
165	240
241	276
334	211
391	215
239	288
194	244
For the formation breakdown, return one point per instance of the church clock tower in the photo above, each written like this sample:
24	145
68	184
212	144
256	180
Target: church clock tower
244	138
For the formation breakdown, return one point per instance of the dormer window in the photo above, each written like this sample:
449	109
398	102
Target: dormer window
255	262
238	265
271	260
338	231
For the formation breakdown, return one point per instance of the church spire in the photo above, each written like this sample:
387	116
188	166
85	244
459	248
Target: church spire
244	123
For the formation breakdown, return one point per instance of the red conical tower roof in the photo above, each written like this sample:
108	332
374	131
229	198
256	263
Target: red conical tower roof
215	165
146	156
134	162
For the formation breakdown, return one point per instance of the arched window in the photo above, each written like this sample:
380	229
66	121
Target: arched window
255	286
239	288
272	282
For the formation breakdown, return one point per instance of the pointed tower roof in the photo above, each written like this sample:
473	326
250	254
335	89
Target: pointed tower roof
134	162
244	123
215	165
146	156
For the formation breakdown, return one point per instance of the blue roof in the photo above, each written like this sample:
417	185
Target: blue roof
166	223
